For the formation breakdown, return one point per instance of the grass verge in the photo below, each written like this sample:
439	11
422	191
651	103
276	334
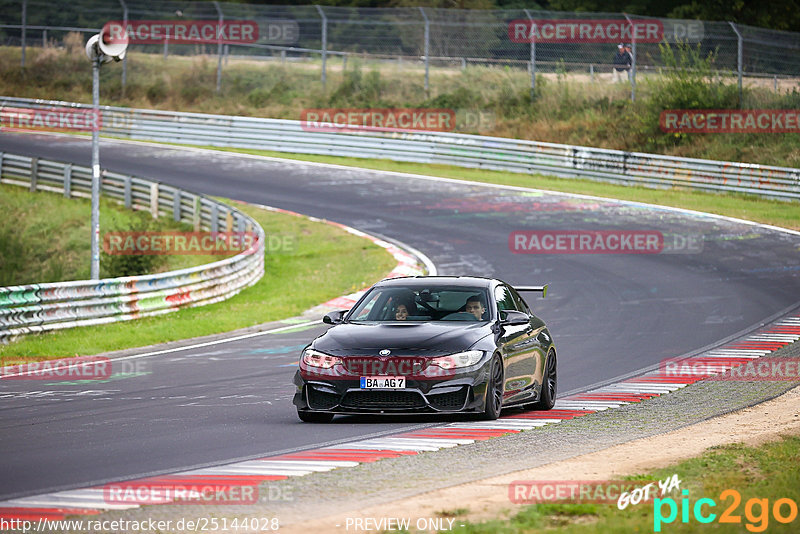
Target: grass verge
317	263
749	207
49	240
761	475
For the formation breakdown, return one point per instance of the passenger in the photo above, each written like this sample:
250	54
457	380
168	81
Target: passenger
400	312
475	306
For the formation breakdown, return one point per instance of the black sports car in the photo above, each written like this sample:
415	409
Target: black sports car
438	344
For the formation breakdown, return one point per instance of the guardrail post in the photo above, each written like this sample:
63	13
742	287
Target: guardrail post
214	218
68	180
154	200
228	221
427	46
239	224
34	173
324	45
176	205
128	198
1	166
196	206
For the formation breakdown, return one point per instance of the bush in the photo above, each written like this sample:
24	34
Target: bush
114	266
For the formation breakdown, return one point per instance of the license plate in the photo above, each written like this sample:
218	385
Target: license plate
383	382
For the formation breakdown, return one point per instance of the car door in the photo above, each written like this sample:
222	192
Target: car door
516	348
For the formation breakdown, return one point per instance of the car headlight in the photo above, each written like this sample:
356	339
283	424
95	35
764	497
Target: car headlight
314	358
459	359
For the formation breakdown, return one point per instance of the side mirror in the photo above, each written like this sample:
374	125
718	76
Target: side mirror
513	318
334	317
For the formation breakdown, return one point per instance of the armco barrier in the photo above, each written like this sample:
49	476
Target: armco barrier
43	307
497	153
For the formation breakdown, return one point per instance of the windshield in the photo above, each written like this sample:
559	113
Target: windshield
430	303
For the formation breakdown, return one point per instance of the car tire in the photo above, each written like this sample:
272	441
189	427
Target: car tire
494	391
314	417
549	384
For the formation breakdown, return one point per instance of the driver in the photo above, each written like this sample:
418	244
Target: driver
475	306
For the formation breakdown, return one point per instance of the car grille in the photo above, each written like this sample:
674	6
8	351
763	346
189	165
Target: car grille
449	401
383	399
322	400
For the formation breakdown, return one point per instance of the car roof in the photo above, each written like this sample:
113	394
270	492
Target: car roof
425	281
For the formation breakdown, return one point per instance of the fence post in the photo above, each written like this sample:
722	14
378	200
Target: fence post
176	205
34	173
739	59
127	193
24	29
44	38
533	57
427	46
219	46
196	213
154	200
1	166
166	47
124	59
324	45
633	62
214	218
68	180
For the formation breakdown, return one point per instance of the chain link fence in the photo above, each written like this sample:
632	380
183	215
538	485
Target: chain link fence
561	43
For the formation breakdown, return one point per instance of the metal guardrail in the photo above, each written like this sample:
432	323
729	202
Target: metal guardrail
472	151
52	306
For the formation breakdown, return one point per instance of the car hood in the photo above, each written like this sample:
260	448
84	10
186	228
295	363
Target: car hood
434	339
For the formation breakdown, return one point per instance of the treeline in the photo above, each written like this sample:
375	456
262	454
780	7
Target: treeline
773	14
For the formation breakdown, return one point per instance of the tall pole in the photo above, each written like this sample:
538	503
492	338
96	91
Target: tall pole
219	46
324	45
633	59
427	45
125	59
24	28
533	56
95	274
739	59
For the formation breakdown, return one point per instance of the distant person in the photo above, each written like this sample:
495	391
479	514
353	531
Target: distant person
629	58
621	64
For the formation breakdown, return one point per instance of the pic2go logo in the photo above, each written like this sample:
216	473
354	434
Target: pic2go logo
756	511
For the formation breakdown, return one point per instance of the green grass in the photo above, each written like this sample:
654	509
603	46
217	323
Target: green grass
749	207
770	471
569	107
49	240
322	262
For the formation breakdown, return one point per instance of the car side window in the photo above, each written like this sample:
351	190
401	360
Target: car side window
504	299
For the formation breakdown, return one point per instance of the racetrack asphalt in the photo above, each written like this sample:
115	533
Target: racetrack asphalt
611	314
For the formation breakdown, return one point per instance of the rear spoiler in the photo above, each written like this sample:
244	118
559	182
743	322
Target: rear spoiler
542	289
